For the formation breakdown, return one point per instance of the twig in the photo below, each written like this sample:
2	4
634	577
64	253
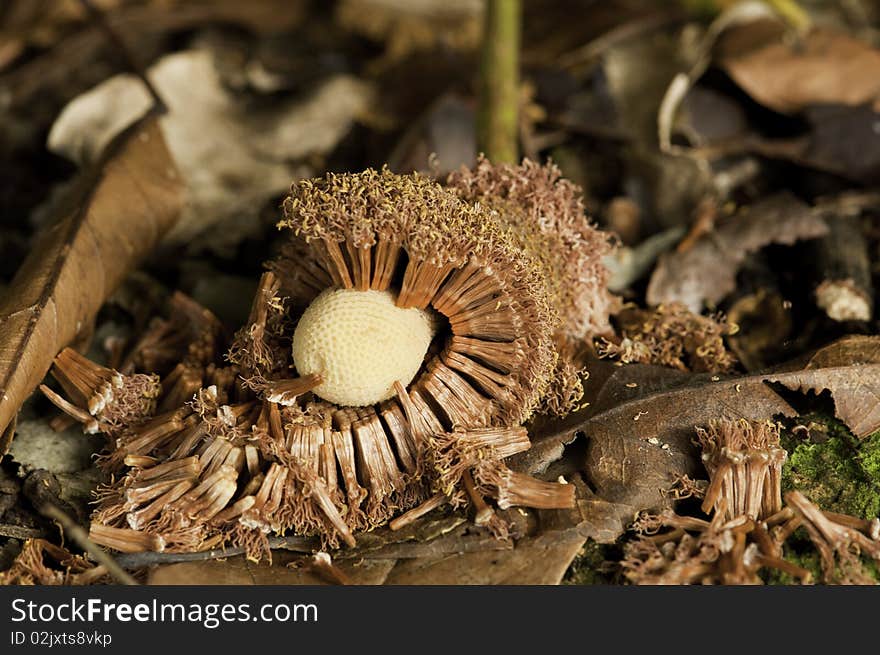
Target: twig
704	222
841	266
18	532
81	537
131	62
640	27
435	501
403	550
322	566
132	561
483	513
498	119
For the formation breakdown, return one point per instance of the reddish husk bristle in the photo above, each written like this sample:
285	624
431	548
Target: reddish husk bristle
191	335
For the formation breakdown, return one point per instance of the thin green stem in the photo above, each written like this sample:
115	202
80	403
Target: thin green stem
498	120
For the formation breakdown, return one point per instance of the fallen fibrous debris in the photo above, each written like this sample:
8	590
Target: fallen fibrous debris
716	555
292	435
41	562
671	335
744	461
56	293
841	540
112	400
746	535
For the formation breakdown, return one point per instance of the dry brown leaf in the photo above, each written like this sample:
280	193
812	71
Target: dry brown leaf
540	559
535	560
748	13
72	58
841	140
639	433
850	370
824	67
643	442
550	435
829	78
120	210
706	273
238	571
234	156
640	427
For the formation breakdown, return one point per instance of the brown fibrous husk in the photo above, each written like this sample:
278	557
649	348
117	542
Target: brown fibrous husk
243	450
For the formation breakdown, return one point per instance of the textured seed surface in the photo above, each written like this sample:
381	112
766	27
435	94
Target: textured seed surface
360	343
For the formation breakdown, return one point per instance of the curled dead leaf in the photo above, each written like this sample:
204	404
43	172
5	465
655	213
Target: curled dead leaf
112	219
823	67
232	156
639	427
638	432
706	273
850	370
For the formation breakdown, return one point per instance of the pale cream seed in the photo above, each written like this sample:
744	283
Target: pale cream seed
360	343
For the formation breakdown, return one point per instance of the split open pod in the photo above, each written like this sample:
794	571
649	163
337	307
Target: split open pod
394	351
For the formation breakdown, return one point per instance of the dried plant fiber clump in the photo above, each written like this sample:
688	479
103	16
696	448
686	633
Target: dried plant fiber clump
392	353
41	562
751	536
744	461
547	214
671	335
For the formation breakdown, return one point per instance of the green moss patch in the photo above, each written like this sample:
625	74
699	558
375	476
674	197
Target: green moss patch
592	565
833	468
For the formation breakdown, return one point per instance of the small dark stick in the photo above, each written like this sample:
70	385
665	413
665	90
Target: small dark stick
80	536
322	566
131	62
843	267
484	513
133	561
18	532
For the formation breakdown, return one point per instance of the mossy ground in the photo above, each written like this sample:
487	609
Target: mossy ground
837	471
800	551
832	467
593	565
826	462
